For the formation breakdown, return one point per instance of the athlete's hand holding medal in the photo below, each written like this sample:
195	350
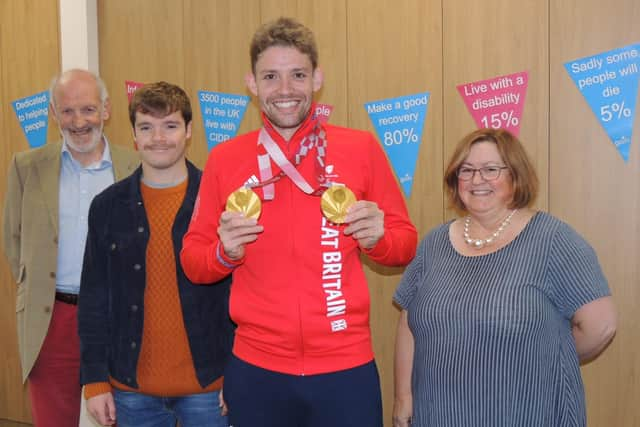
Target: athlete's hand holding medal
365	220
239	222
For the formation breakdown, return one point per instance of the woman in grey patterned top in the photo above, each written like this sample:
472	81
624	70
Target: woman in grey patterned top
499	306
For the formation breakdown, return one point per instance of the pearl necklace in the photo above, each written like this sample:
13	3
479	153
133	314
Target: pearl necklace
481	243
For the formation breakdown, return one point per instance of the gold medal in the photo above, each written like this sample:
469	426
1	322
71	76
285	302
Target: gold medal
245	201
335	202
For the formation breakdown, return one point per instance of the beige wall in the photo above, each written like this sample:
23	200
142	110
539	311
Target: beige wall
29	57
594	190
375	49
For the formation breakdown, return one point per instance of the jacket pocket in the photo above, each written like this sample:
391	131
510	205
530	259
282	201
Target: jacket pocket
20	291
21	273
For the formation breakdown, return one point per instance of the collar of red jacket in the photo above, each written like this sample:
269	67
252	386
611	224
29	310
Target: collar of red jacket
291	147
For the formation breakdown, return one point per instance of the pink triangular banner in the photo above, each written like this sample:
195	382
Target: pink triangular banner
131	88
323	111
497	102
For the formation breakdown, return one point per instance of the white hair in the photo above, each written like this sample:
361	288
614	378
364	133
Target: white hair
104	95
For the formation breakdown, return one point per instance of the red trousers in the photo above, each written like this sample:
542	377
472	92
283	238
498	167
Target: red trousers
54	381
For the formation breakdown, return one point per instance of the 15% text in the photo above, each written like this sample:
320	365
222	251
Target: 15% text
500	120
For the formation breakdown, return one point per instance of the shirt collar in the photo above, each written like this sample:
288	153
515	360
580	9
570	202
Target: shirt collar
103	163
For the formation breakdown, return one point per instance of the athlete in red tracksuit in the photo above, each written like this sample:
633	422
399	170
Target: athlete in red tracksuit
299	294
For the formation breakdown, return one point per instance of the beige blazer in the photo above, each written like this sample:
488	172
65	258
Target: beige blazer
30	237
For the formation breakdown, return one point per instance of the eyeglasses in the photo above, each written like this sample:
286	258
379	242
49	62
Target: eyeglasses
488	173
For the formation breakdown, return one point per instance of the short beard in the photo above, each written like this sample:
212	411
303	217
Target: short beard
96	137
282	125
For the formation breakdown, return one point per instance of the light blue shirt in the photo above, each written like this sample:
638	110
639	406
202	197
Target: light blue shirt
78	186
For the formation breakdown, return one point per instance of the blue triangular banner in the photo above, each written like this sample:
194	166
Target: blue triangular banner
399	123
33	115
609	83
222	114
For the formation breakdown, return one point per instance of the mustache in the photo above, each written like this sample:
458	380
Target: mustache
156	146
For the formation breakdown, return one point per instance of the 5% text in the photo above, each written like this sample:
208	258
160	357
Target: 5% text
615	109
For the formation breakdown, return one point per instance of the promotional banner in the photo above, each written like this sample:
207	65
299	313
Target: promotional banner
323	111
498	102
131	88
222	114
33	114
609	83
399	123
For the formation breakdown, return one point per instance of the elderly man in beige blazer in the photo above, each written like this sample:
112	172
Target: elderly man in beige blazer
44	228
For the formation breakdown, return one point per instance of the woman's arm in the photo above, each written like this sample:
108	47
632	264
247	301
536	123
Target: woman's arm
593	327
403	365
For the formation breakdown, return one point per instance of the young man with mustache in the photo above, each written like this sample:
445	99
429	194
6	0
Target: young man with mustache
153	344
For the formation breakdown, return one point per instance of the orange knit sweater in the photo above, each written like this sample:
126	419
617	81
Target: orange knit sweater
165	366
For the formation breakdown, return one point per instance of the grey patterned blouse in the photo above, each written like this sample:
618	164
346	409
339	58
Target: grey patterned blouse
493	342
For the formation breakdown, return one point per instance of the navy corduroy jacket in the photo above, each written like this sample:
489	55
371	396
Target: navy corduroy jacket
111	303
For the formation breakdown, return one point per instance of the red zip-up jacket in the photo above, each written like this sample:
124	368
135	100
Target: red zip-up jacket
299	296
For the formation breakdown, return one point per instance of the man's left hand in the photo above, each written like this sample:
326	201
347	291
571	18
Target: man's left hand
366	223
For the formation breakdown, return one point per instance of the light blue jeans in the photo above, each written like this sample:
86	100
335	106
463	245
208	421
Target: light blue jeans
141	410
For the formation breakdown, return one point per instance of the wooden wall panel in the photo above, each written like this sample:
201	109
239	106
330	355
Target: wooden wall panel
395	49
328	20
29	58
493	38
217	59
594	190
140	41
